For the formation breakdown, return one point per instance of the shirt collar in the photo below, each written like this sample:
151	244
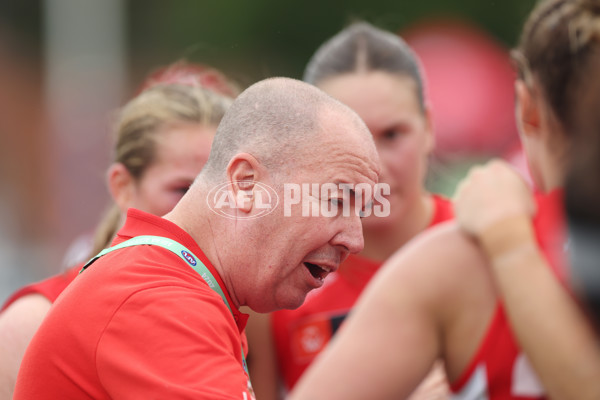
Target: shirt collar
141	223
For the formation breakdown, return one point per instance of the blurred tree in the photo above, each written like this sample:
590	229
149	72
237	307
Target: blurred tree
22	158
260	38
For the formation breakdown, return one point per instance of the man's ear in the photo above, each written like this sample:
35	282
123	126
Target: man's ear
528	111
121	185
243	172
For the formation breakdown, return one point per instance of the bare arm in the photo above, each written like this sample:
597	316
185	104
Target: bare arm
548	323
434	387
262	363
389	342
18	324
550	327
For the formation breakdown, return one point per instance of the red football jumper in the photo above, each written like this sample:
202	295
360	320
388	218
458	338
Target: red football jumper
499	370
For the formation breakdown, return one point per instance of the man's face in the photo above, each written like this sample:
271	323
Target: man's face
301	244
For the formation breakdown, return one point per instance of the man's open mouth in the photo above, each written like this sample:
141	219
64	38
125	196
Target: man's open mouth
316	271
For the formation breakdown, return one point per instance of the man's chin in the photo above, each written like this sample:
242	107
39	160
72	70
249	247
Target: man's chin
288	303
291	303
375	223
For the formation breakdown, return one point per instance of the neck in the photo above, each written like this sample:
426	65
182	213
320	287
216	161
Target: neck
201	225
381	243
553	175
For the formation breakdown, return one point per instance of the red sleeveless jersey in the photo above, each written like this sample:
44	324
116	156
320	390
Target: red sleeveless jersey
50	288
499	370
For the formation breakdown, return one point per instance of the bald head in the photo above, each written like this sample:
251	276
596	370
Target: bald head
277	136
276	120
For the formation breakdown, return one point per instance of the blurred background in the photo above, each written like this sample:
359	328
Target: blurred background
67	65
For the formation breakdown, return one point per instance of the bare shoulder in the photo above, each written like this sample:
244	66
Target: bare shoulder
24	315
409	303
18	324
444	273
441	261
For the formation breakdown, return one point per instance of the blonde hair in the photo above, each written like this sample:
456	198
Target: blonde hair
141	122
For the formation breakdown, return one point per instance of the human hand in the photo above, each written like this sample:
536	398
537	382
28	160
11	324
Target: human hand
434	387
489	195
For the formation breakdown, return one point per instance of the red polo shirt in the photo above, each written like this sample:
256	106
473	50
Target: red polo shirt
138	323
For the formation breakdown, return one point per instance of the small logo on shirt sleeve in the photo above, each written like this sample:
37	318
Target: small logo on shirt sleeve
188	257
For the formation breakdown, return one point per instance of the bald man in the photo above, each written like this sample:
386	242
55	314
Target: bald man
158	315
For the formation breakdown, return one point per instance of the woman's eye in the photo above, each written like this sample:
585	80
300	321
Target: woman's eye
390	134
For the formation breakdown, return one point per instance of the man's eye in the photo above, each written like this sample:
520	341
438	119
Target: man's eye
336	201
182	189
366	210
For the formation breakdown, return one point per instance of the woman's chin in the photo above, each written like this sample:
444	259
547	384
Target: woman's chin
386	221
375	224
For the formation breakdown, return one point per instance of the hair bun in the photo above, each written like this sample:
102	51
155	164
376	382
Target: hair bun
189	74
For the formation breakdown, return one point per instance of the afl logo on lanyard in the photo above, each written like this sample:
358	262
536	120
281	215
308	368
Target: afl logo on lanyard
188	257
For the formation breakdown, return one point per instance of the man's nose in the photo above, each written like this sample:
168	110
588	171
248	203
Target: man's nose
350	234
